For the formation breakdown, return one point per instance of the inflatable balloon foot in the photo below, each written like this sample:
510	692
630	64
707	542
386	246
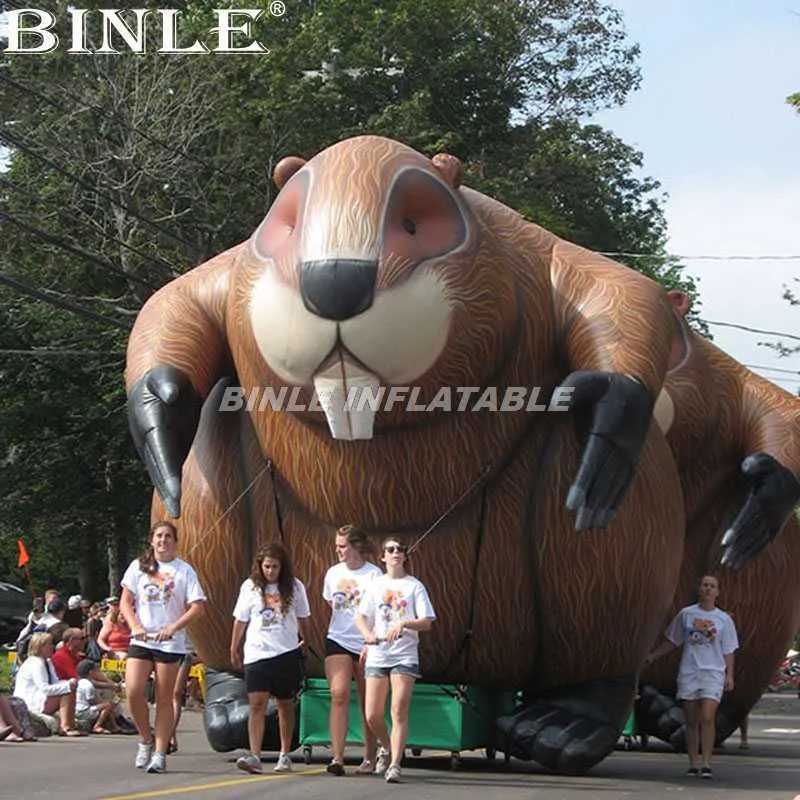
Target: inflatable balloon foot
660	715
569	731
226	713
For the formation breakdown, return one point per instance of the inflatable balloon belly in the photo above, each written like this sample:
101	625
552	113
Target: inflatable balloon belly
401	310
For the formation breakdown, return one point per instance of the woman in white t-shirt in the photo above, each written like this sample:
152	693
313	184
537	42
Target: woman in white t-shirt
161	595
344	585
393	611
271	616
709	640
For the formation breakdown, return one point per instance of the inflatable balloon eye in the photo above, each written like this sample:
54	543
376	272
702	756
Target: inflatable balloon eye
423	219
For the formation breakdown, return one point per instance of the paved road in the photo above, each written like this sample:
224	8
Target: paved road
100	768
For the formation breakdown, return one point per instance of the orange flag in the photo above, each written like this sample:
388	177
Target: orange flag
24	558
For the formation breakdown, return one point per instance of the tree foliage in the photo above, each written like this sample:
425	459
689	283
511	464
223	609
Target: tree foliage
127	170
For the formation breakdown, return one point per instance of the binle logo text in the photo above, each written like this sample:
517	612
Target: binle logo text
30	30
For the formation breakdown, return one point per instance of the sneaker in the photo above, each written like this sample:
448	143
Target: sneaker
158	763
382	762
335	768
693	771
143	754
284	763
705	772
393	774
366	767
250	763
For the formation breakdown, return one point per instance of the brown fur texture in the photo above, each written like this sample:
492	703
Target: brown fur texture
547	607
723	412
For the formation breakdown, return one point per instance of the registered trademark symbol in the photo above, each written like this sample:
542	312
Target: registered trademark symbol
277	8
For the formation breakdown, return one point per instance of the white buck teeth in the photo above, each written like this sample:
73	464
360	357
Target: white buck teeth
347	420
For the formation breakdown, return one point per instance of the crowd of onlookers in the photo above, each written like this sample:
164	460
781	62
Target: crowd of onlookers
59	687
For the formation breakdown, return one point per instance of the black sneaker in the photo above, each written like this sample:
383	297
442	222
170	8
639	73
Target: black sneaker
335	768
705	772
693	771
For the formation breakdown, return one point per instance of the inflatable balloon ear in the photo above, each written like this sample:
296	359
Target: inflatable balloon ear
285	168
681	302
449	167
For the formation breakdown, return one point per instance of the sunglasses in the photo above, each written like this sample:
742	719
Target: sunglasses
396	548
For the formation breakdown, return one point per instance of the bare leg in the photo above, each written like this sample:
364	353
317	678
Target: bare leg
255	721
708	715
177	700
743	734
375	706
286	723
137	671
339	672
691	711
165	720
370	742
402	689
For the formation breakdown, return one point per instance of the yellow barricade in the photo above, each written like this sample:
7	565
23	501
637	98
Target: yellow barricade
198	671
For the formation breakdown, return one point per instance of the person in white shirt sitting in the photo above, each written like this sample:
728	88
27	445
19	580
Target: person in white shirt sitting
394	610
89	709
37	684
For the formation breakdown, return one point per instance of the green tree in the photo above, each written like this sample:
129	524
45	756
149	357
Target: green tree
129	170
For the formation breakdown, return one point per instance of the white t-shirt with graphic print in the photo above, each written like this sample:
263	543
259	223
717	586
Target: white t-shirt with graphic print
344	588
85	696
270	632
161	599
386	603
707	637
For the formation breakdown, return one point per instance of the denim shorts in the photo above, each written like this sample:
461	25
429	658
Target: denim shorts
398	669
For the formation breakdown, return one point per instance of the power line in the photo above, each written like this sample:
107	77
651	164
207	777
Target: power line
116	118
772	369
752	330
704	257
20	145
52	352
75	308
157	261
65	245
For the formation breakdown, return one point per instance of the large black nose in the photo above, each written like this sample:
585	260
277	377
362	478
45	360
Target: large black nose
338	288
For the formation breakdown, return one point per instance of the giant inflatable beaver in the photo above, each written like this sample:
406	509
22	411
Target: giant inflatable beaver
736	440
375	268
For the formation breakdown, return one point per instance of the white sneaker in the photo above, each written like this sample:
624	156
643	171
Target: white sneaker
250	763
143	754
284	763
158	763
393	774
382	761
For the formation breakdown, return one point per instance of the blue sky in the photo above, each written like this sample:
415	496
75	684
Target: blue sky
713	125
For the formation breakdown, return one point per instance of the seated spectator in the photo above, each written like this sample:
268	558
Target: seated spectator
99	715
73	616
53	619
67	658
33	619
115	635
37	684
11	729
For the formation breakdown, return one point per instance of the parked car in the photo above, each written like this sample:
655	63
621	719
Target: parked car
15	605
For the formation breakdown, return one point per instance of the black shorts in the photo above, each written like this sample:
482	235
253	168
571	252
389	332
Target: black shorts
279	676
155	656
334	649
